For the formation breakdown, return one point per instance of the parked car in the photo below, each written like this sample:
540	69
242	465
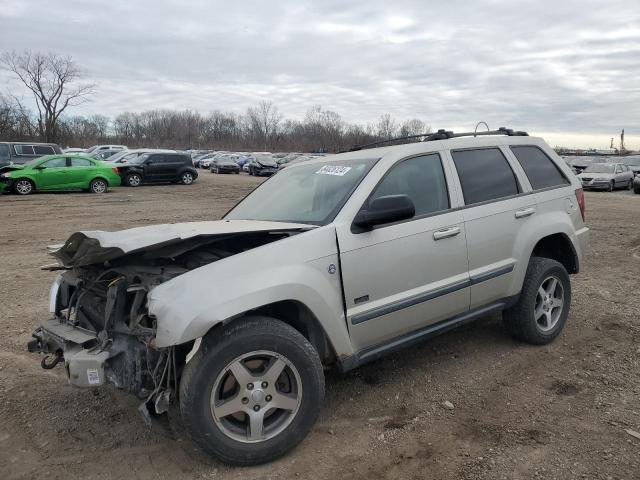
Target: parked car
295	161
23	152
104	154
126	156
606	176
262	165
59	172
158	168
205	160
333	262
225	164
243	159
96	148
73	150
633	162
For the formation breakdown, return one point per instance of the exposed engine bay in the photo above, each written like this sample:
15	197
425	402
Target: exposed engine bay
101	328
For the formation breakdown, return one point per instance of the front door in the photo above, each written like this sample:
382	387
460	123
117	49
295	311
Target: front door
54	174
406	275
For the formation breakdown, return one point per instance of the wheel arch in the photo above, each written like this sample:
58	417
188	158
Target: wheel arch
558	246
100	177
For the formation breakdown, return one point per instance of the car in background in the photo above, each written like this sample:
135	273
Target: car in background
104	154
158	167
225	164
73	150
126	156
262	165
204	161
296	160
243	159
97	148
633	162
580	163
606	176
59	172
23	152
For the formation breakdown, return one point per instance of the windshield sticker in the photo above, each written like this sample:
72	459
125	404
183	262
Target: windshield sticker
333	170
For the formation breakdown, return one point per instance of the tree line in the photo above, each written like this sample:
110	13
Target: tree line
56	84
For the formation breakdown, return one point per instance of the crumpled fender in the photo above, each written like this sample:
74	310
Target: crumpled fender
303	268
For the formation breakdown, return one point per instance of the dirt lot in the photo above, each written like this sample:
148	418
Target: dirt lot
558	411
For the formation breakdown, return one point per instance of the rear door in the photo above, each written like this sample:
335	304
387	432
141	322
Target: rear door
81	172
403	276
494	211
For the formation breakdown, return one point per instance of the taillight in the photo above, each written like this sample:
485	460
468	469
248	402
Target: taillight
116	170
580	198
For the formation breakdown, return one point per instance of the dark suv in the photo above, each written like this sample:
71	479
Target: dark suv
158	168
22	152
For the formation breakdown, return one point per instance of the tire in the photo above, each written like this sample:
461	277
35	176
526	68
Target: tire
630	186
98	185
636	188
228	436
534	319
187	178
612	186
133	180
23	186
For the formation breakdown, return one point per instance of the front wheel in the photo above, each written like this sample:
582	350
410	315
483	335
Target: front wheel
98	185
23	186
186	178
133	180
252	392
543	306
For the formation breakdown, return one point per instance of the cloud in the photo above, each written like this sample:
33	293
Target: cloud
565	68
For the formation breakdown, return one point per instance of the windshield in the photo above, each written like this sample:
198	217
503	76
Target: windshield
632	161
312	193
600	168
266	160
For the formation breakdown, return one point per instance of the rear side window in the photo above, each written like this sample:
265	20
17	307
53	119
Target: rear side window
80	162
422	179
24	149
485	174
43	150
541	171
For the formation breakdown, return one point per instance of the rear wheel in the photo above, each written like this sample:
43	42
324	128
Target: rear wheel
252	392
23	186
98	185
186	178
133	180
543	306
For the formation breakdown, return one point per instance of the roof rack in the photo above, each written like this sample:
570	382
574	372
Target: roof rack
443	135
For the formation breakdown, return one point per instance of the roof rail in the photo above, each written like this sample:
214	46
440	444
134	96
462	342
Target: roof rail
443	135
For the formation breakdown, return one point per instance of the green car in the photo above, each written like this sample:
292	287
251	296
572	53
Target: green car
59	172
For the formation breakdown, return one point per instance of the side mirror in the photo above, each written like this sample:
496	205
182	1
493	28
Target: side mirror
39	167
387	209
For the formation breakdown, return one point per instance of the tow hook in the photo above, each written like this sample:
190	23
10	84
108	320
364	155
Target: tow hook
48	365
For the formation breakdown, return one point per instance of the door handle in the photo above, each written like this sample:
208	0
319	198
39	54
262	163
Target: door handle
525	212
446	233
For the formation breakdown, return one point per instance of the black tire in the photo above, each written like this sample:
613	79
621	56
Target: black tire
520	319
636	187
612	186
217	352
187	178
630	186
23	186
98	185
133	180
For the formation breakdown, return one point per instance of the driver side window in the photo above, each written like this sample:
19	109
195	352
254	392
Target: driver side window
422	179
55	163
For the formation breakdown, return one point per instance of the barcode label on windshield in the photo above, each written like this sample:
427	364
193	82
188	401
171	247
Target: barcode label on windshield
333	170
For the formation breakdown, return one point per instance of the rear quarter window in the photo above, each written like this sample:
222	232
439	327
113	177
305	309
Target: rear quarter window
43	150
23	149
541	171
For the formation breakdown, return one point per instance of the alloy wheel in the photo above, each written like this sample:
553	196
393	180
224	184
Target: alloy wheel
256	396
24	187
187	178
98	186
549	303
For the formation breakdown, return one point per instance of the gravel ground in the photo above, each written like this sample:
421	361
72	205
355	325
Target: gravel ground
512	411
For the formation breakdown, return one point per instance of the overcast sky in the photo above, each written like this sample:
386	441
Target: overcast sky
569	70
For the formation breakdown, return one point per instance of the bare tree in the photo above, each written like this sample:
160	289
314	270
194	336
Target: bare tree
51	79
386	126
263	121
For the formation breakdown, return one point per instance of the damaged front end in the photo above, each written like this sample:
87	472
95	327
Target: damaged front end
101	328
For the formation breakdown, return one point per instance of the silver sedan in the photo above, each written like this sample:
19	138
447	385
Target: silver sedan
606	176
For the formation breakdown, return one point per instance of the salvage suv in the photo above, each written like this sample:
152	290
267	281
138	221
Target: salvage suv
332	262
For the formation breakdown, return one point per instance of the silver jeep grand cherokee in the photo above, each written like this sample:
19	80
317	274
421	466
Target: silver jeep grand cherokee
331	262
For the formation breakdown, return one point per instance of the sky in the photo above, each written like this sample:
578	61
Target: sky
566	70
